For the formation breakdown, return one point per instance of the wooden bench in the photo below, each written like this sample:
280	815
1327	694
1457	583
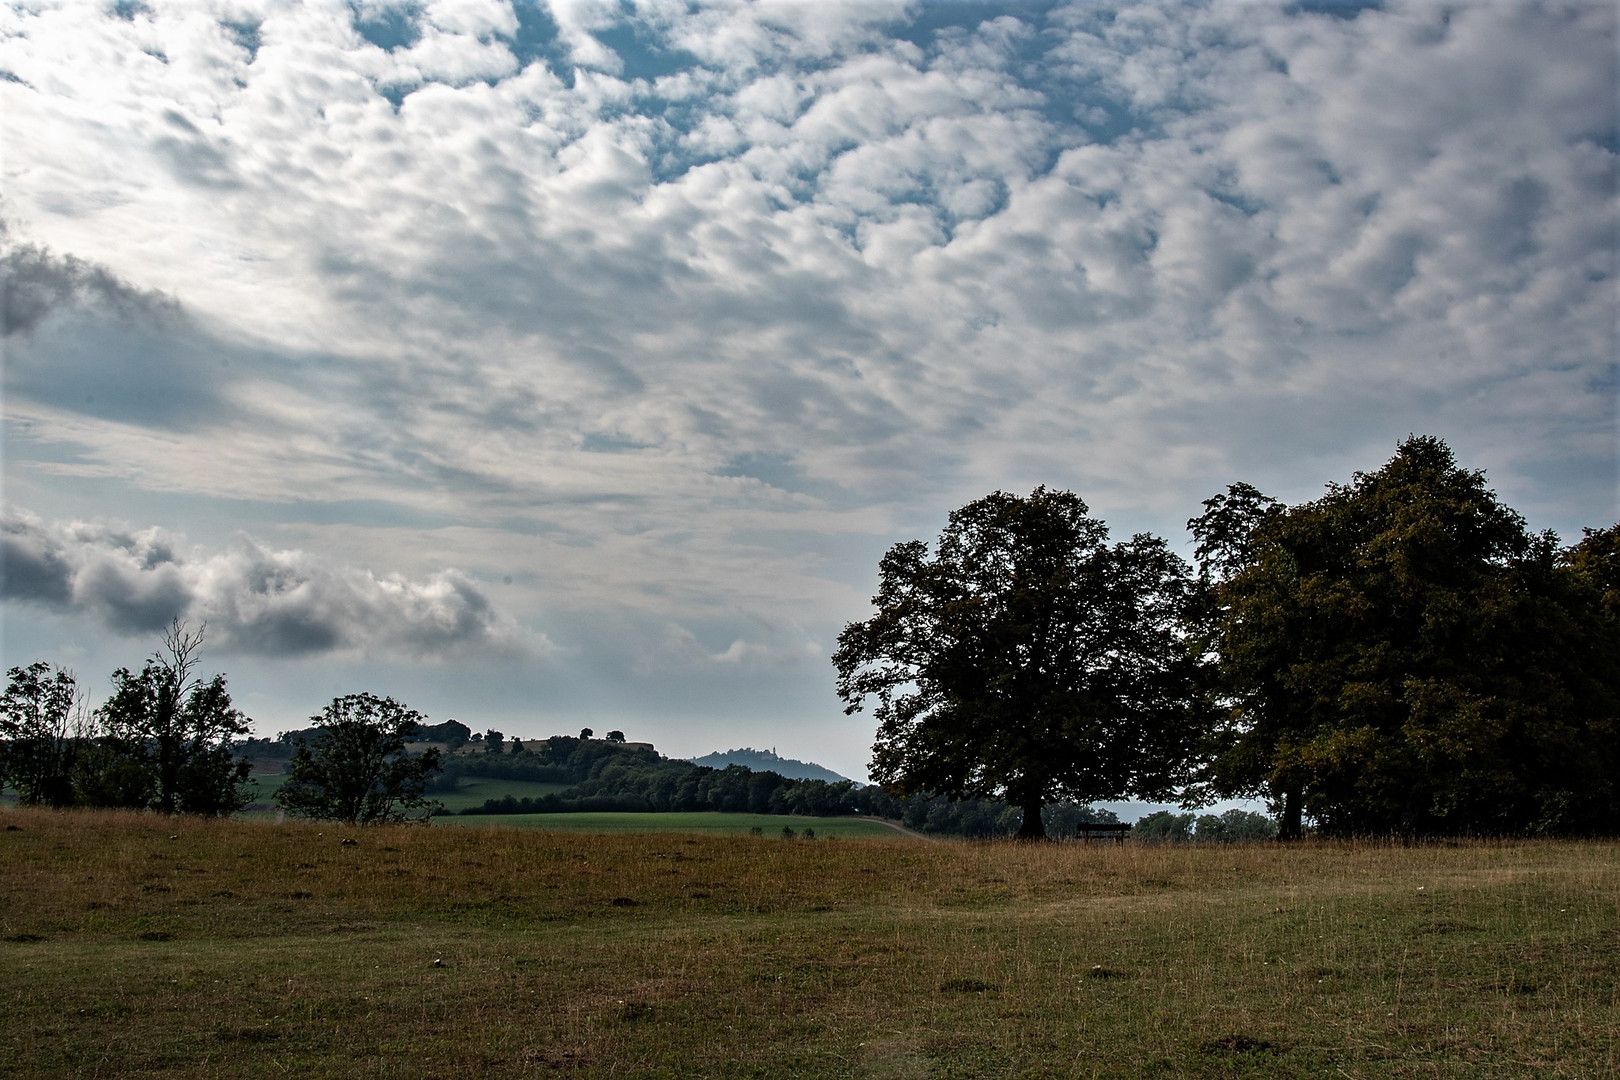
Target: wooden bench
1113	831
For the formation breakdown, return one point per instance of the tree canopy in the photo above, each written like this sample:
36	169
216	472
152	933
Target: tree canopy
35	745
355	767
1403	656
1026	659
179	728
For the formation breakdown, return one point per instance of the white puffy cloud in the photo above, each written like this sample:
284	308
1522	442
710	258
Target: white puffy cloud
252	598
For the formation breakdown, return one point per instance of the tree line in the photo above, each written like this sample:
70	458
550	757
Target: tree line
604	777
161	741
168	740
1402	656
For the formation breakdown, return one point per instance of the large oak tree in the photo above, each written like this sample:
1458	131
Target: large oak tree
1026	659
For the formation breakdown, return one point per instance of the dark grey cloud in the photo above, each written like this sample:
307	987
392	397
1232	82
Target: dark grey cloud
32	566
81	339
129	581
34	283
255	599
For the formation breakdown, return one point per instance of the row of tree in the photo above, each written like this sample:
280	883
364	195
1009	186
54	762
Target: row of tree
1235	826
603	777
168	740
1400	656
161	741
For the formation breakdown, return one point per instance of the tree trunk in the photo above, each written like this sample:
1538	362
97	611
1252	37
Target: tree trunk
1032	828
1292	826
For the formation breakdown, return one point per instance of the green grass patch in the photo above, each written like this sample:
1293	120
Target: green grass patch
472	791
147	946
705	822
476	790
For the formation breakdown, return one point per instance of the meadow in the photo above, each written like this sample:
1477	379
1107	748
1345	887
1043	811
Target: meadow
149	946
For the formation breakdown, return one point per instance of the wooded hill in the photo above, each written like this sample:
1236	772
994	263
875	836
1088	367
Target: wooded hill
607	776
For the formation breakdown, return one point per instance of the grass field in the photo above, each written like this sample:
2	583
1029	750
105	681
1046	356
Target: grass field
143	946
708	823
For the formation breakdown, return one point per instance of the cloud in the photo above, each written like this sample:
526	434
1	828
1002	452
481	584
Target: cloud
34	284
254	599
828	234
688	311
675	648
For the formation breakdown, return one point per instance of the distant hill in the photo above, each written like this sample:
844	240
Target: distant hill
767	761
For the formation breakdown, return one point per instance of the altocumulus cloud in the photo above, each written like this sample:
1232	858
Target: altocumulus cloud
255	599
909	251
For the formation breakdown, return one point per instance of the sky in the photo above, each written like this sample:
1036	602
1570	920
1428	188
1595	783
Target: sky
573	363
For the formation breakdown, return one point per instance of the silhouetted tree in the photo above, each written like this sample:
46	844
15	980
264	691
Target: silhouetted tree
1027	659
1234	826
179	729
1163	827
355	767
1403	655
37	741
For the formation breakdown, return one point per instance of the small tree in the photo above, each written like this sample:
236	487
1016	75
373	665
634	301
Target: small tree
355	768
179	729
585	733
615	736
1163	827
36	711
1234	827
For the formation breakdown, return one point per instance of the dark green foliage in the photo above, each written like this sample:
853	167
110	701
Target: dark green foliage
1234	827
1026	660
1594	568
453	733
38	748
1163	827
176	729
107	774
162	741
255	748
1061	819
1404	656
355	768
607	777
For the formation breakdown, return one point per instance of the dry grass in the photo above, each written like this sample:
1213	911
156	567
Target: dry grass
146	946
